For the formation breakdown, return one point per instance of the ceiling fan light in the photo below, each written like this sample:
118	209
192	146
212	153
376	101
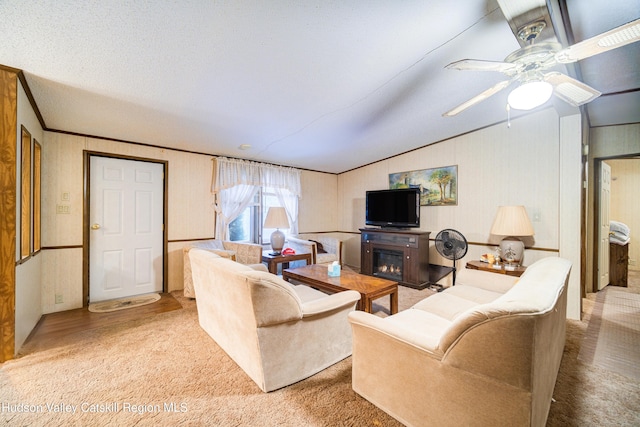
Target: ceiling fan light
530	95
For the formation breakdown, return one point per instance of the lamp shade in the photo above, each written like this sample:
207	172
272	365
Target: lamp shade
512	221
276	218
530	95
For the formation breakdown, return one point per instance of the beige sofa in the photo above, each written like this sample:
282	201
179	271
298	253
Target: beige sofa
244	253
485	352
276	332
324	248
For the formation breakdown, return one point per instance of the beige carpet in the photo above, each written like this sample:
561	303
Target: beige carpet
612	340
123	303
406	298
164	370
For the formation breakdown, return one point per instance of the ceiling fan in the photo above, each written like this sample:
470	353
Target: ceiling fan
526	66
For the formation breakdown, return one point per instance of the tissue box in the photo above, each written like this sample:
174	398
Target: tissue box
333	270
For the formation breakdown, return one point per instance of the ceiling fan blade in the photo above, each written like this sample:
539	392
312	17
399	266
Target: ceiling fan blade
480	65
612	39
478	98
571	90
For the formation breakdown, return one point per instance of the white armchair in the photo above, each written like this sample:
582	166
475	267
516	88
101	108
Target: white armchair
244	253
324	249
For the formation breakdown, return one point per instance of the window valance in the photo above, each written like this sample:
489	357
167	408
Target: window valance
228	173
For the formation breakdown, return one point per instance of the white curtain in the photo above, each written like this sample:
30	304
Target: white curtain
230	172
290	204
286	184
279	177
230	203
235	182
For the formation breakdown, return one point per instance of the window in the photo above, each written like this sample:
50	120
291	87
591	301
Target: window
235	185
247	227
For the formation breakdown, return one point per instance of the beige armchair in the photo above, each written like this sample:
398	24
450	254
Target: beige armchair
276	332
324	249
244	253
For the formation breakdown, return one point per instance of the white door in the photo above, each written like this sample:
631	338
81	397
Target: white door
605	202
125	228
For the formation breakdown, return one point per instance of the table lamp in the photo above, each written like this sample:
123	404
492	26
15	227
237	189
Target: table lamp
276	218
512	222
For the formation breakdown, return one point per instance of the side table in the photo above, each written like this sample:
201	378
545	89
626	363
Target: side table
273	260
479	265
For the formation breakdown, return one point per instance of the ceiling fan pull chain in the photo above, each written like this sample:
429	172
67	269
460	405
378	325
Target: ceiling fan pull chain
508	116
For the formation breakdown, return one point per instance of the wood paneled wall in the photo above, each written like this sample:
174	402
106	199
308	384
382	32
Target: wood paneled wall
8	135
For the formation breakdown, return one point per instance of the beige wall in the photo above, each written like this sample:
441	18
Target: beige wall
625	203
497	165
535	163
28	273
190	209
318	207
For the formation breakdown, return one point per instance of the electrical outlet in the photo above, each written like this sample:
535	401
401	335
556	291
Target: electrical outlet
632	261
65	196
63	209
59	299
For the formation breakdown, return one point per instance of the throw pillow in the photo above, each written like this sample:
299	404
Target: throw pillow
319	247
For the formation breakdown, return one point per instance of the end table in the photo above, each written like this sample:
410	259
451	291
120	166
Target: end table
479	265
273	260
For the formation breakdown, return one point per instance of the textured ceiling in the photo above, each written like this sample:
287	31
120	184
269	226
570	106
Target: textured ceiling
321	85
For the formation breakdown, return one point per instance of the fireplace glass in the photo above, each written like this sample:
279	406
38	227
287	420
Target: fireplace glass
387	264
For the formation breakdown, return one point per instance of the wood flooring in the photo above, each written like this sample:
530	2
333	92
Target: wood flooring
54	326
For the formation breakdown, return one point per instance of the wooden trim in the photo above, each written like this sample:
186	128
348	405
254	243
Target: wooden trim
85	226
447	139
191	240
49	248
8	197
25	195
86	219
37	196
32	100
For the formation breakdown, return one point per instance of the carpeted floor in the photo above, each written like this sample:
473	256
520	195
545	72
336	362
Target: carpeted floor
164	370
612	340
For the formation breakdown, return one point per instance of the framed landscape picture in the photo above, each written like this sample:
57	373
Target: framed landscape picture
438	186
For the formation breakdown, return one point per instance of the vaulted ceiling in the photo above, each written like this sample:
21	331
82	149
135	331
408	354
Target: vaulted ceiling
320	85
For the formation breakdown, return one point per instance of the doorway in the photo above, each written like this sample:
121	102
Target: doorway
604	189
125	236
624	181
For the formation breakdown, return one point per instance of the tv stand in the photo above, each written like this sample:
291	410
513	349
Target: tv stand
396	254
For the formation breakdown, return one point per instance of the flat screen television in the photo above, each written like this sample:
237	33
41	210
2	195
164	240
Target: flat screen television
398	208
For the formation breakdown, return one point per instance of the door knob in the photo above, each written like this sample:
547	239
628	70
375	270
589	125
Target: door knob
95	226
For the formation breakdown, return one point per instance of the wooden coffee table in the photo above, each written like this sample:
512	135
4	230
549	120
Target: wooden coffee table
370	287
